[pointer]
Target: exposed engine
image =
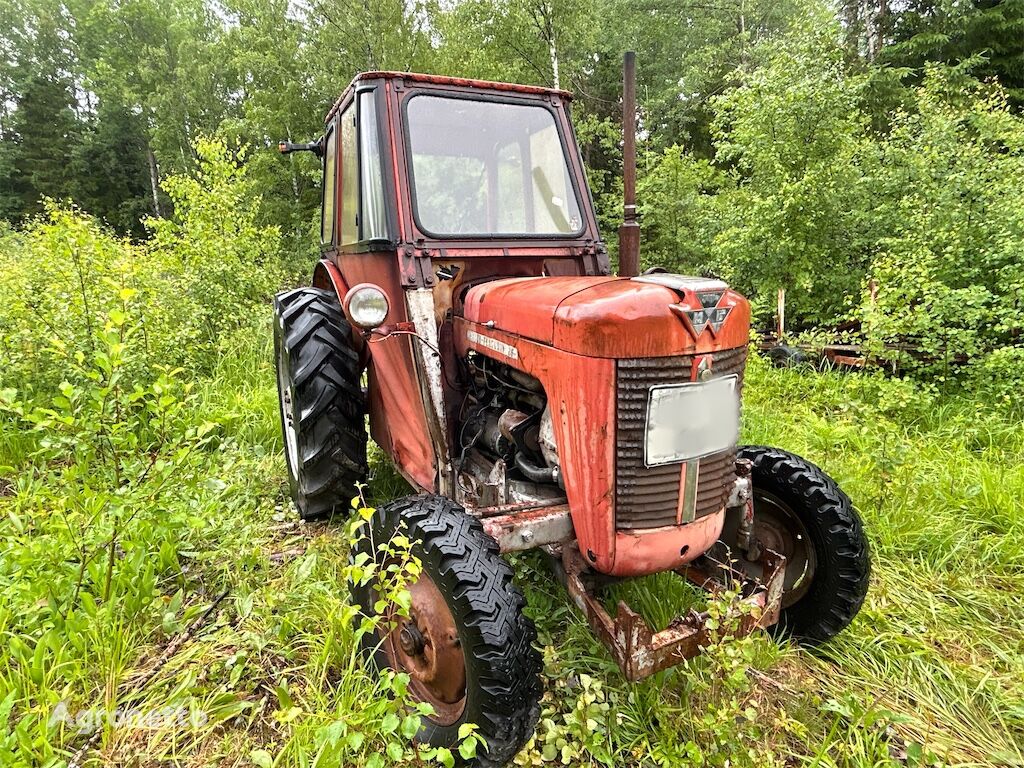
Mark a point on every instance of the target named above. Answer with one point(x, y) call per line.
point(506, 438)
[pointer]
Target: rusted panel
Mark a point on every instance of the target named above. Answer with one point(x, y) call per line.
point(639, 651)
point(634, 318)
point(581, 395)
point(421, 311)
point(525, 305)
point(652, 550)
point(464, 82)
point(604, 316)
point(841, 355)
point(452, 82)
point(508, 509)
point(527, 529)
point(397, 414)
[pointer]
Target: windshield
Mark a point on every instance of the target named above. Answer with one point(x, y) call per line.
point(489, 168)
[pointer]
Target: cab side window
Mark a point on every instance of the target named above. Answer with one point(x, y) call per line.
point(373, 220)
point(349, 179)
point(362, 214)
point(329, 181)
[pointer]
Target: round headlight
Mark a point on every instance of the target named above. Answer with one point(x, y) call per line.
point(366, 306)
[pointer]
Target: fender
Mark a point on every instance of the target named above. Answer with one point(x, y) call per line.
point(327, 276)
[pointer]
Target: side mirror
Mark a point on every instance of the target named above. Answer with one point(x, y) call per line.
point(316, 147)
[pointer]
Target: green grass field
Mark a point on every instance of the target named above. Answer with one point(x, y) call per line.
point(931, 672)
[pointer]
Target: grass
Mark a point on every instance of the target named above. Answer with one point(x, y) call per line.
point(932, 671)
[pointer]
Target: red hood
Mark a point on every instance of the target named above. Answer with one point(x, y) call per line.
point(610, 316)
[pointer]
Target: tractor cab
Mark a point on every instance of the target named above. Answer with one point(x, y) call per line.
point(423, 166)
point(459, 211)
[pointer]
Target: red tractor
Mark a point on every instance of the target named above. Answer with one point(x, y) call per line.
point(534, 399)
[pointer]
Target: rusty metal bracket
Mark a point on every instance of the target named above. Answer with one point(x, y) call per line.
point(639, 650)
point(516, 528)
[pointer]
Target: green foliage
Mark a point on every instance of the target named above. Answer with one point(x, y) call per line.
point(984, 34)
point(948, 267)
point(112, 493)
point(913, 232)
point(791, 133)
point(202, 279)
point(677, 193)
point(140, 467)
point(225, 264)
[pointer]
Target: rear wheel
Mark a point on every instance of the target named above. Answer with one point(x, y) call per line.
point(466, 644)
point(801, 513)
point(322, 404)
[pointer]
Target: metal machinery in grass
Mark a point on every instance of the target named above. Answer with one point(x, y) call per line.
point(534, 399)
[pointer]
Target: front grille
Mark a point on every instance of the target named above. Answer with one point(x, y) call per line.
point(648, 497)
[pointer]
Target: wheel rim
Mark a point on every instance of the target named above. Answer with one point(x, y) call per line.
point(426, 645)
point(777, 527)
point(284, 390)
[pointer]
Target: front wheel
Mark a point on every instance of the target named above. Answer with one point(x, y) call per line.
point(466, 644)
point(801, 513)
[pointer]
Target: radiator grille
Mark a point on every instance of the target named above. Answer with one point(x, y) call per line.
point(647, 497)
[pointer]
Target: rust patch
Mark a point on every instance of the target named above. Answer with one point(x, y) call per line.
point(640, 651)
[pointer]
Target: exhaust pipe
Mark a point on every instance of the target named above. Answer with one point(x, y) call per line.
point(629, 232)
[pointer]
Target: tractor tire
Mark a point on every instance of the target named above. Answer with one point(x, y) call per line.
point(801, 512)
point(466, 644)
point(784, 356)
point(322, 404)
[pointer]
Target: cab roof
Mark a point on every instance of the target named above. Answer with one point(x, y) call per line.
point(457, 82)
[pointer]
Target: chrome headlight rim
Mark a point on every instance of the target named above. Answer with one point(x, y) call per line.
point(366, 305)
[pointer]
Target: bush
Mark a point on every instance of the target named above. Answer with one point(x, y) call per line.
point(112, 486)
point(948, 269)
point(207, 273)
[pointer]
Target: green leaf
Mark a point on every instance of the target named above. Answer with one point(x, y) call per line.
point(468, 748)
point(390, 723)
point(395, 751)
point(445, 757)
point(410, 726)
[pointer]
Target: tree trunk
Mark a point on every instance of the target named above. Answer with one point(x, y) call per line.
point(549, 33)
point(154, 181)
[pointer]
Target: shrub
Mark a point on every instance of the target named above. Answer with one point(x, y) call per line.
point(208, 272)
point(948, 269)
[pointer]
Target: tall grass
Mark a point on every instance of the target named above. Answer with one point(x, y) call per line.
point(104, 563)
point(935, 658)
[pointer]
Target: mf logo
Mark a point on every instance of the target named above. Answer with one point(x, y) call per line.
point(699, 319)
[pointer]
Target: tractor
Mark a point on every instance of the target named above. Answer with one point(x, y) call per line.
point(464, 308)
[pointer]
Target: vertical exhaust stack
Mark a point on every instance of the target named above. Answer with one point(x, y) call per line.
point(629, 232)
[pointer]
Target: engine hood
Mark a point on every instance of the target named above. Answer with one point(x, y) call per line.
point(649, 316)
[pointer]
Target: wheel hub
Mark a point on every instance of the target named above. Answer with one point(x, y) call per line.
point(411, 640)
point(426, 645)
point(777, 527)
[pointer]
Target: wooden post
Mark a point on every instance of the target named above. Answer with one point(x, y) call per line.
point(780, 315)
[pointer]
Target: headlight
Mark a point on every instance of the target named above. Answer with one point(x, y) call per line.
point(366, 306)
point(690, 421)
